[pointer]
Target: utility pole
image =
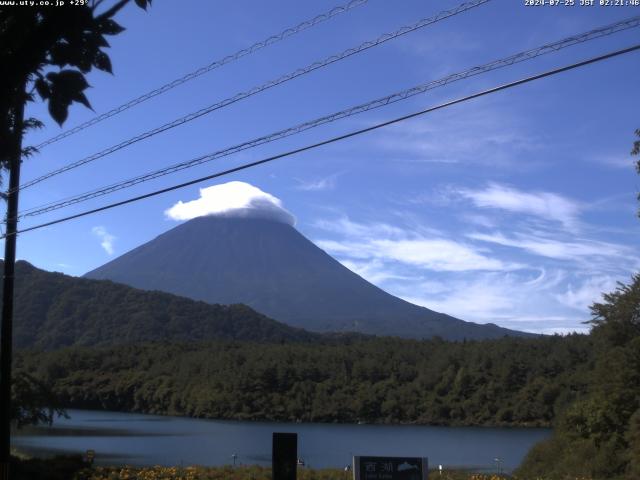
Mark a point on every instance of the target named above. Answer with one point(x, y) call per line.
point(6, 329)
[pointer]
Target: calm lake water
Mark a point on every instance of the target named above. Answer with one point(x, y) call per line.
point(133, 439)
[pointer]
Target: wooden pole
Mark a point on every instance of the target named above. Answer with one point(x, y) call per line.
point(6, 328)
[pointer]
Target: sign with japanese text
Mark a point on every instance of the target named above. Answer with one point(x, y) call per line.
point(390, 468)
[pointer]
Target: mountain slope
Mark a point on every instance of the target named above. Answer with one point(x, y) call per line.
point(271, 267)
point(53, 310)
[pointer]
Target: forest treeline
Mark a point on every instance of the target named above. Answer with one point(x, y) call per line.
point(383, 380)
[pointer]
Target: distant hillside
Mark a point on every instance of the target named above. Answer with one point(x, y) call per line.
point(271, 267)
point(54, 310)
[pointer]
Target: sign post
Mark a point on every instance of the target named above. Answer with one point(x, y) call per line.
point(284, 460)
point(390, 468)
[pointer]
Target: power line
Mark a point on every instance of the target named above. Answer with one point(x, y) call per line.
point(377, 103)
point(207, 68)
point(336, 139)
point(258, 89)
point(629, 23)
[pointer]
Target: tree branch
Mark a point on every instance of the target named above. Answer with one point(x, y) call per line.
point(113, 10)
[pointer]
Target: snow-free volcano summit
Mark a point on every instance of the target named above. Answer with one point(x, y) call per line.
point(239, 245)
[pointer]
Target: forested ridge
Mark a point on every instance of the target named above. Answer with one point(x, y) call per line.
point(53, 310)
point(499, 382)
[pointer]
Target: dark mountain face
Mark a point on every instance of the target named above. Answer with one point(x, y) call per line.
point(271, 267)
point(53, 310)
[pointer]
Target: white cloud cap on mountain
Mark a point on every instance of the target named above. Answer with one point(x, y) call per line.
point(232, 199)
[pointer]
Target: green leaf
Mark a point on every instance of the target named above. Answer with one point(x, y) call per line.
point(102, 62)
point(110, 27)
point(32, 123)
point(63, 54)
point(82, 98)
point(43, 88)
point(58, 110)
point(85, 60)
point(99, 40)
point(66, 87)
point(70, 80)
point(29, 151)
point(143, 3)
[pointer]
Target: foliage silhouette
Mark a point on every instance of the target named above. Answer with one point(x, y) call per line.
point(48, 50)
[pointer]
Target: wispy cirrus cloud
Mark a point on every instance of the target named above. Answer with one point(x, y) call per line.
point(345, 227)
point(514, 300)
point(481, 136)
point(448, 276)
point(620, 161)
point(553, 246)
point(522, 258)
point(318, 184)
point(544, 205)
point(388, 243)
point(433, 254)
point(580, 296)
point(374, 271)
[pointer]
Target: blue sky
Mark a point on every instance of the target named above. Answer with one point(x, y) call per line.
point(517, 208)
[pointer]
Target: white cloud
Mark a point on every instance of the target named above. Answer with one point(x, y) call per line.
point(545, 205)
point(236, 199)
point(374, 271)
point(346, 227)
point(487, 136)
point(576, 249)
point(469, 275)
point(591, 290)
point(624, 161)
point(479, 220)
point(106, 239)
point(563, 330)
point(388, 243)
point(317, 185)
point(480, 304)
point(513, 300)
point(436, 254)
point(480, 299)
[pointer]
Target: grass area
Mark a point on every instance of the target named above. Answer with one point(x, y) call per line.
point(264, 473)
point(74, 468)
point(242, 473)
point(58, 468)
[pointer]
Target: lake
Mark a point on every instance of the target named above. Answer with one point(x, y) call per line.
point(134, 439)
